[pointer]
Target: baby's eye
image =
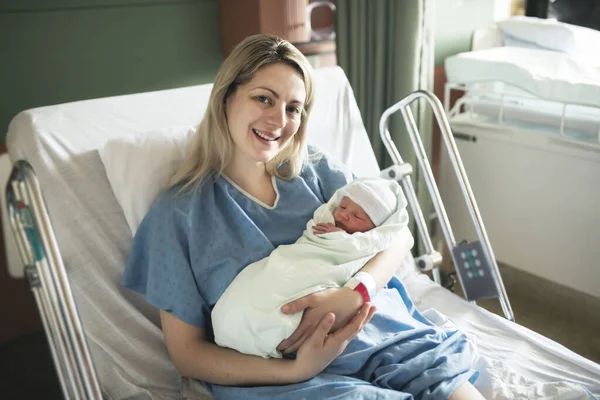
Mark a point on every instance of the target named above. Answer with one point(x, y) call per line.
point(357, 216)
point(342, 207)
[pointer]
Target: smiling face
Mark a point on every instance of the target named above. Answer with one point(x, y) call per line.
point(351, 217)
point(264, 114)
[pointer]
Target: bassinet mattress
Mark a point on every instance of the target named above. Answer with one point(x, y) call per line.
point(61, 143)
point(546, 74)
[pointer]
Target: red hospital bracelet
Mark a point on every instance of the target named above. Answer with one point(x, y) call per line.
point(364, 284)
point(362, 289)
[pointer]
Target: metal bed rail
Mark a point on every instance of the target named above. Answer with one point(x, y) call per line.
point(432, 258)
point(48, 281)
point(473, 95)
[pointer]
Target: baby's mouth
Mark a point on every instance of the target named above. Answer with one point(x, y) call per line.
point(264, 135)
point(340, 225)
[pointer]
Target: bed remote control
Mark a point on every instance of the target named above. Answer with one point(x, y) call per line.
point(476, 275)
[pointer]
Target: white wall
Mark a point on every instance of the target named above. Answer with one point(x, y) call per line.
point(455, 21)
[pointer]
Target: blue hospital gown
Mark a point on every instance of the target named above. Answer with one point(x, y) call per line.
point(190, 246)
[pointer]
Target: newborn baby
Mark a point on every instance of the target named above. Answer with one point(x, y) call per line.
point(361, 219)
point(362, 204)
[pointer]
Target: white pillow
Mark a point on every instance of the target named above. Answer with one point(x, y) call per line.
point(139, 166)
point(550, 34)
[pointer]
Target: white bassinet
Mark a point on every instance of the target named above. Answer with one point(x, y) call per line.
point(529, 120)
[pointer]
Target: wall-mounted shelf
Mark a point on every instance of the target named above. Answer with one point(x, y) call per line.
point(284, 18)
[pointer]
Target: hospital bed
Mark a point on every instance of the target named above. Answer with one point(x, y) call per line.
point(83, 169)
point(528, 130)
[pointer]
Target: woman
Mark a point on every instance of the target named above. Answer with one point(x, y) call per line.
point(245, 188)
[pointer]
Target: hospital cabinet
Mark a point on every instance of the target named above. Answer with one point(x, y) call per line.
point(539, 197)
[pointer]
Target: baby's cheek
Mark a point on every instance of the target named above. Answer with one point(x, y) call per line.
point(367, 226)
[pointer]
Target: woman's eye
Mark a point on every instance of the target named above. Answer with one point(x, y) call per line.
point(294, 110)
point(263, 99)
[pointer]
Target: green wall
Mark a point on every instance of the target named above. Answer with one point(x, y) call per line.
point(455, 22)
point(55, 51)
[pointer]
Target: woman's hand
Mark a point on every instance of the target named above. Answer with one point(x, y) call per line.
point(321, 348)
point(342, 302)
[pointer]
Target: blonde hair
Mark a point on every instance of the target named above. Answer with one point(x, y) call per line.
point(211, 149)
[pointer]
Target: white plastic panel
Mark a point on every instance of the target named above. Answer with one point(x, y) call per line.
point(539, 199)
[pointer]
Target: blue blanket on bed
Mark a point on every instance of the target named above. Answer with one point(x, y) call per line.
point(398, 355)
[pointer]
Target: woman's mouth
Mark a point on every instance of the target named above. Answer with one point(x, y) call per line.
point(265, 136)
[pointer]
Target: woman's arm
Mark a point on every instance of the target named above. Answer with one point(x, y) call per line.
point(196, 357)
point(344, 302)
point(383, 266)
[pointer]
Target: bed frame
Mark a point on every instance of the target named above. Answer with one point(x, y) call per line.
point(47, 277)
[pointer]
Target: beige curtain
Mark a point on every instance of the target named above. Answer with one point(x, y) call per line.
point(386, 49)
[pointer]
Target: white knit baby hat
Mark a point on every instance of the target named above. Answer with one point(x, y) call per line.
point(377, 196)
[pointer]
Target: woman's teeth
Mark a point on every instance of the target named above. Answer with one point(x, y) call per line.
point(257, 133)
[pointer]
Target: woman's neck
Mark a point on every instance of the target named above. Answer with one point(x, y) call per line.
point(253, 179)
point(247, 175)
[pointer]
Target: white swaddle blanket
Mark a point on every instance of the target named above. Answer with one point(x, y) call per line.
point(248, 318)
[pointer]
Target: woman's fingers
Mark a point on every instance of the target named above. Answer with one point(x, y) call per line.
point(306, 326)
point(296, 345)
point(294, 342)
point(299, 335)
point(322, 330)
point(355, 325)
point(371, 312)
point(292, 339)
point(321, 348)
point(297, 305)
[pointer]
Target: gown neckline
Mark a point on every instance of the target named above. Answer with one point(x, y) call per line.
point(254, 199)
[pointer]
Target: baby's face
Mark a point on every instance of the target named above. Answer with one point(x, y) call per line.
point(351, 217)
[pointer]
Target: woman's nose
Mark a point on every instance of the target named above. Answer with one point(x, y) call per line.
point(276, 116)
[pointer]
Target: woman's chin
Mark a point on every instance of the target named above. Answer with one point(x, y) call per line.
point(266, 156)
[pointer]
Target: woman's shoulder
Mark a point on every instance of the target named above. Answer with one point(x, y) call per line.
point(323, 163)
point(325, 172)
point(179, 201)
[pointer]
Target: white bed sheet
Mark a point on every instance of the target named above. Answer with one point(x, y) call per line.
point(516, 355)
point(546, 74)
point(61, 142)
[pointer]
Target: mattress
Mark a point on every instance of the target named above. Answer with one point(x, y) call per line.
point(61, 143)
point(545, 74)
